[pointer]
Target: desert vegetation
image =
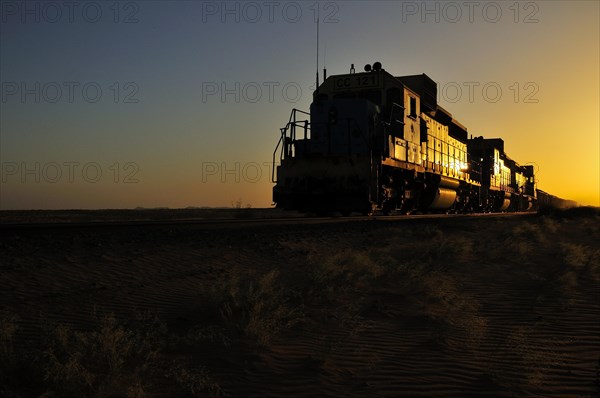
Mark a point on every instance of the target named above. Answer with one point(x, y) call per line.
point(500, 306)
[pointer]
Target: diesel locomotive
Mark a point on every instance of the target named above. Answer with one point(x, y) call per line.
point(375, 141)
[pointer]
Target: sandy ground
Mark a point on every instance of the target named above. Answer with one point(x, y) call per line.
point(479, 307)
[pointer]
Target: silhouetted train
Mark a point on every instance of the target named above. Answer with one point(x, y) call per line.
point(376, 141)
point(545, 200)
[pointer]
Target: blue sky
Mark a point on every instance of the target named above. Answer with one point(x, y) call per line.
point(162, 122)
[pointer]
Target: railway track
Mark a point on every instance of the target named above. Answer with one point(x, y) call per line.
point(233, 222)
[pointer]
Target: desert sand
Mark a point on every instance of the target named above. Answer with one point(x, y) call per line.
point(457, 307)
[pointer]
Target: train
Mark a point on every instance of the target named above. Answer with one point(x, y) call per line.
point(375, 142)
point(547, 201)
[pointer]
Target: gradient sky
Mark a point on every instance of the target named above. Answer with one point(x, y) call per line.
point(194, 93)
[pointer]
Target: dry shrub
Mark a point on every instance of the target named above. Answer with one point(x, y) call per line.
point(529, 231)
point(111, 360)
point(108, 361)
point(455, 311)
point(67, 368)
point(549, 224)
point(8, 329)
point(575, 256)
point(579, 262)
point(135, 390)
point(594, 263)
point(260, 306)
point(428, 250)
point(451, 250)
point(195, 382)
point(585, 219)
point(413, 260)
point(200, 335)
point(591, 226)
point(10, 364)
point(273, 308)
point(523, 248)
point(568, 280)
point(350, 269)
point(524, 241)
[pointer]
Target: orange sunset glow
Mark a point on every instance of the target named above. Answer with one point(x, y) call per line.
point(177, 104)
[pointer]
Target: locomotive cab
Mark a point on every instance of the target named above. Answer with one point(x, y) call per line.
point(340, 127)
point(329, 167)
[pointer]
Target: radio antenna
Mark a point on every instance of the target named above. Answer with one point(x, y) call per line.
point(317, 75)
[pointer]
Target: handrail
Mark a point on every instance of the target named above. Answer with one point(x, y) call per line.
point(286, 147)
point(274, 153)
point(285, 144)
